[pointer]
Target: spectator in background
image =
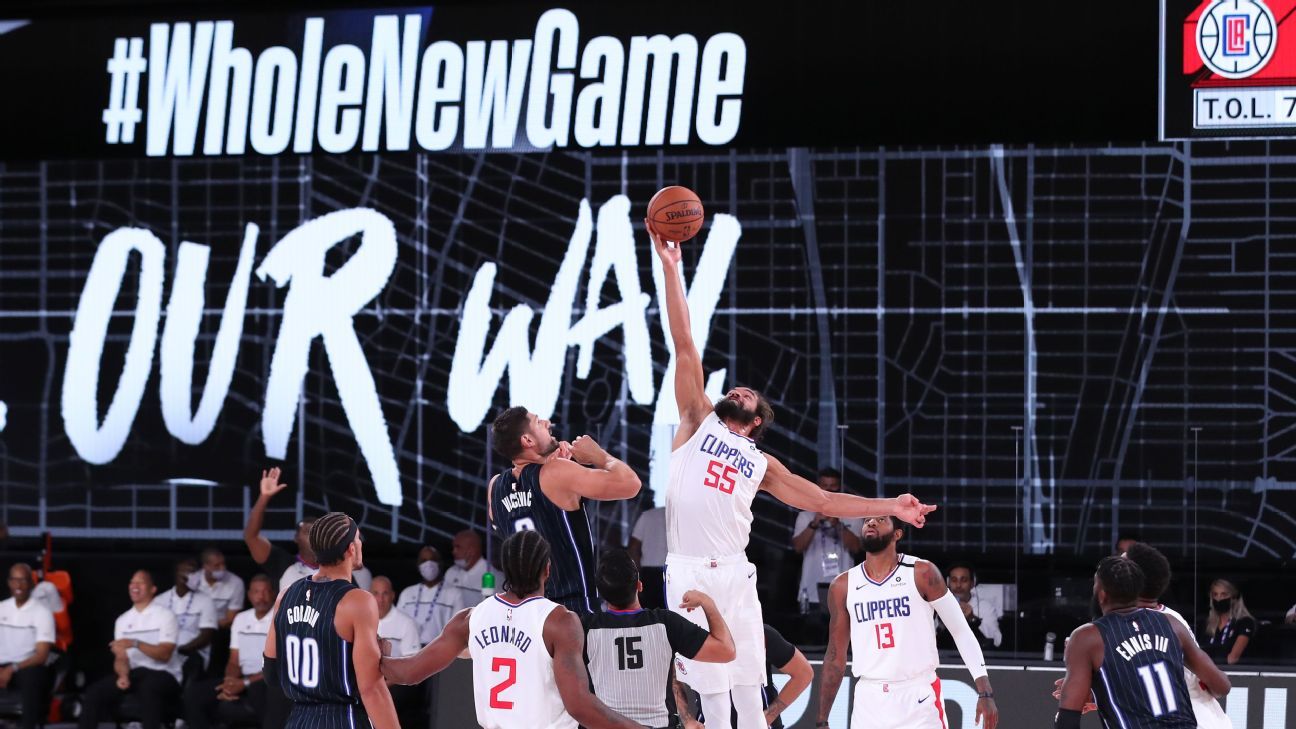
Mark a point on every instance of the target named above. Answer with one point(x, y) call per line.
point(402, 636)
point(224, 588)
point(982, 615)
point(1124, 542)
point(145, 661)
point(826, 543)
point(195, 618)
point(239, 697)
point(648, 550)
point(1230, 625)
point(1291, 616)
point(419, 600)
point(26, 637)
point(463, 581)
point(282, 567)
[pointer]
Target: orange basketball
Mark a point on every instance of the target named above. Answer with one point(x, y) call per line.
point(676, 213)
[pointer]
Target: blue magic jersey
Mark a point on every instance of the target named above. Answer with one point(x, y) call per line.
point(1140, 684)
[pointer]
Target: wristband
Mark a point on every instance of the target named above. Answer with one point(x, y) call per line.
point(821, 723)
point(136, 646)
point(986, 695)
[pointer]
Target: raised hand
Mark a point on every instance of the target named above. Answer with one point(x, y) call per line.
point(910, 509)
point(669, 252)
point(270, 483)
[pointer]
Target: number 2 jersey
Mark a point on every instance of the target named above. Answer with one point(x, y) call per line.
point(1140, 684)
point(315, 664)
point(714, 478)
point(513, 675)
point(892, 633)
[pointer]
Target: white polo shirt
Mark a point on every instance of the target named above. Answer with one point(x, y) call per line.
point(295, 571)
point(401, 630)
point(154, 625)
point(419, 602)
point(227, 594)
point(248, 637)
point(462, 590)
point(193, 612)
point(21, 628)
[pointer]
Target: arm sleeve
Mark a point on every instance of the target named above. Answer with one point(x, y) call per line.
point(778, 652)
point(684, 637)
point(117, 629)
point(969, 649)
point(168, 628)
point(235, 627)
point(45, 626)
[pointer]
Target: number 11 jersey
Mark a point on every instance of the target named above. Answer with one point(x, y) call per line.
point(714, 478)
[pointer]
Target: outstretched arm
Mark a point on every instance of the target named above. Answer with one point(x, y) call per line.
point(690, 383)
point(799, 493)
point(257, 544)
point(834, 662)
point(564, 636)
point(434, 657)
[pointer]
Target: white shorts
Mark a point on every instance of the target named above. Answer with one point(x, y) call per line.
point(914, 704)
point(731, 582)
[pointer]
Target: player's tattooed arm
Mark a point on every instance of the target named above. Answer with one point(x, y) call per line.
point(931, 585)
point(433, 658)
point(834, 663)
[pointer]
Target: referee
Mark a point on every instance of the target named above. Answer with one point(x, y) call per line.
point(630, 650)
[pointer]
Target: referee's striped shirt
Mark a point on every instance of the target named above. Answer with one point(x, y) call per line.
point(629, 653)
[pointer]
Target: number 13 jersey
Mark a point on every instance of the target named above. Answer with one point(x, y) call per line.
point(714, 478)
point(893, 633)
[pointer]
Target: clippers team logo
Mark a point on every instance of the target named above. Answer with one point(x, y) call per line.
point(1236, 38)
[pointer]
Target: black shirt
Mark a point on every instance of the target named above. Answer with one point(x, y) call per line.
point(1220, 645)
point(778, 653)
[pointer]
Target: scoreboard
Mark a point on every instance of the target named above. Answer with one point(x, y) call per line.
point(1228, 69)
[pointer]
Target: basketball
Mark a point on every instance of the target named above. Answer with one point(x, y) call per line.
point(676, 213)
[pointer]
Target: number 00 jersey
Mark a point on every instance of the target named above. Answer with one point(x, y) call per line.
point(714, 478)
point(513, 676)
point(314, 661)
point(893, 636)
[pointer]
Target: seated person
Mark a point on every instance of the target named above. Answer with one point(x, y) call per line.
point(145, 661)
point(25, 645)
point(402, 633)
point(1230, 626)
point(240, 697)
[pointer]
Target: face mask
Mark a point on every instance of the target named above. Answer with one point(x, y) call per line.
point(461, 564)
point(429, 570)
point(1222, 606)
point(193, 580)
point(218, 575)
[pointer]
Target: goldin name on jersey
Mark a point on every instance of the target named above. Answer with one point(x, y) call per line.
point(723, 451)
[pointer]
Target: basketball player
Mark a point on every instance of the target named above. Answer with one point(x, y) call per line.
point(546, 489)
point(1133, 659)
point(528, 671)
point(716, 470)
point(325, 634)
point(885, 608)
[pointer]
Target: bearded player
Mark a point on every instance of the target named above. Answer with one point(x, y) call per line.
point(715, 472)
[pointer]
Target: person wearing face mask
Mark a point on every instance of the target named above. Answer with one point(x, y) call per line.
point(1230, 626)
point(419, 600)
point(223, 587)
point(463, 581)
point(196, 617)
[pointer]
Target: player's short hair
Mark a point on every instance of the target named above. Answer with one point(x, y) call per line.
point(618, 578)
point(261, 577)
point(1155, 566)
point(524, 557)
point(508, 429)
point(830, 472)
point(330, 536)
point(1121, 579)
point(765, 412)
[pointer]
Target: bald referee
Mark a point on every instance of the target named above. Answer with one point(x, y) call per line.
point(630, 650)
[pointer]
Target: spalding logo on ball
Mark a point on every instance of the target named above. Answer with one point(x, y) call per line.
point(676, 213)
point(1236, 38)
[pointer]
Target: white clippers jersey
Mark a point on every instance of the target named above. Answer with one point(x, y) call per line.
point(714, 478)
point(893, 637)
point(1210, 715)
point(513, 678)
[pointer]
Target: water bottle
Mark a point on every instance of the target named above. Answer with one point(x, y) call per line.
point(805, 601)
point(1049, 640)
point(488, 584)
